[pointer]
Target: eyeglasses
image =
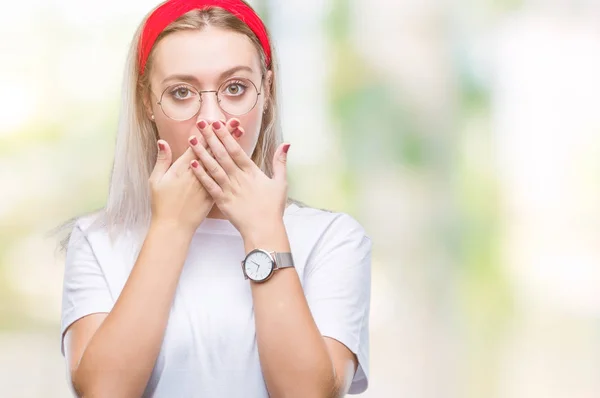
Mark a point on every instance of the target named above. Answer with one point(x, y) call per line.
point(236, 97)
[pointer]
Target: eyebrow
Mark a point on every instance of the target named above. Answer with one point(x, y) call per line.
point(193, 79)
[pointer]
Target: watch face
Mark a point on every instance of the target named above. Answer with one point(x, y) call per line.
point(258, 265)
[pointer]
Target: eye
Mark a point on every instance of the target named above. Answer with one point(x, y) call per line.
point(181, 92)
point(235, 88)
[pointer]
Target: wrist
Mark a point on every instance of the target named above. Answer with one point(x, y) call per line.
point(270, 236)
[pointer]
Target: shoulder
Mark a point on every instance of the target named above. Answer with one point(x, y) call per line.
point(323, 222)
point(319, 233)
point(112, 251)
point(92, 231)
point(76, 230)
point(91, 222)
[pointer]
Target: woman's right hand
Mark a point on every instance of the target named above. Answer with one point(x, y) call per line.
point(178, 198)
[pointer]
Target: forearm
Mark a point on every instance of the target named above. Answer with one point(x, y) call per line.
point(293, 355)
point(120, 356)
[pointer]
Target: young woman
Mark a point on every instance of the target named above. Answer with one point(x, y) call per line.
point(200, 278)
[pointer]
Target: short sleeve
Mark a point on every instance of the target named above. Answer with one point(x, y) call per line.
point(337, 285)
point(85, 289)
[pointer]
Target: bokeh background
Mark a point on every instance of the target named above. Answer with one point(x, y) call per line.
point(464, 136)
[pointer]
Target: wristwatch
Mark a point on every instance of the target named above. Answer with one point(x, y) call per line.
point(259, 265)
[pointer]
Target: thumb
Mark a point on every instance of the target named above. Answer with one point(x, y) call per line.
point(280, 163)
point(163, 160)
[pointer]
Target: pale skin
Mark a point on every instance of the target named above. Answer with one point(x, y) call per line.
point(112, 355)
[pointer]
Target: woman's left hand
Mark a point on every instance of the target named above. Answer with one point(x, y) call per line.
point(249, 199)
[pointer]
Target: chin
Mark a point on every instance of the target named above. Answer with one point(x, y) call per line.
point(178, 152)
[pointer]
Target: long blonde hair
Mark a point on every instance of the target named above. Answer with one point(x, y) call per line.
point(128, 204)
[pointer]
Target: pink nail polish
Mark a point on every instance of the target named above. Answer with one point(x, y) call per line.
point(194, 141)
point(216, 125)
point(235, 123)
point(237, 133)
point(161, 146)
point(286, 148)
point(195, 164)
point(202, 124)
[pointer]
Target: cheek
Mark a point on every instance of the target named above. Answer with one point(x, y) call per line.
point(176, 134)
point(251, 124)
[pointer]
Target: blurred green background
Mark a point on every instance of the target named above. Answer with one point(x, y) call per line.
point(463, 135)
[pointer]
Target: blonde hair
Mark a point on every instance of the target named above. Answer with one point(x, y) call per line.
point(128, 204)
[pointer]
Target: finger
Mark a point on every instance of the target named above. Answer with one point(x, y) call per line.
point(163, 160)
point(236, 152)
point(232, 125)
point(196, 142)
point(210, 164)
point(207, 182)
point(280, 163)
point(217, 148)
point(201, 125)
point(183, 162)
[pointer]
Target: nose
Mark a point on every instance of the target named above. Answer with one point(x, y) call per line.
point(210, 109)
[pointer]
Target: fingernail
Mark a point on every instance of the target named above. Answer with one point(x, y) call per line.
point(195, 164)
point(161, 146)
point(216, 125)
point(202, 124)
point(194, 141)
point(286, 148)
point(237, 133)
point(235, 123)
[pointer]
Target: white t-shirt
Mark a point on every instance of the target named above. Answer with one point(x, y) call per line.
point(209, 348)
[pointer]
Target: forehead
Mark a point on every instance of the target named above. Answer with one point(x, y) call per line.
point(204, 54)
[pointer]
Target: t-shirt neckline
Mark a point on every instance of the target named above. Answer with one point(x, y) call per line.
point(225, 227)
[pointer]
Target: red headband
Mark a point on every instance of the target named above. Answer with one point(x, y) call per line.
point(171, 10)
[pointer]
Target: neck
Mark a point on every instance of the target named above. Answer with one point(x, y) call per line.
point(215, 212)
